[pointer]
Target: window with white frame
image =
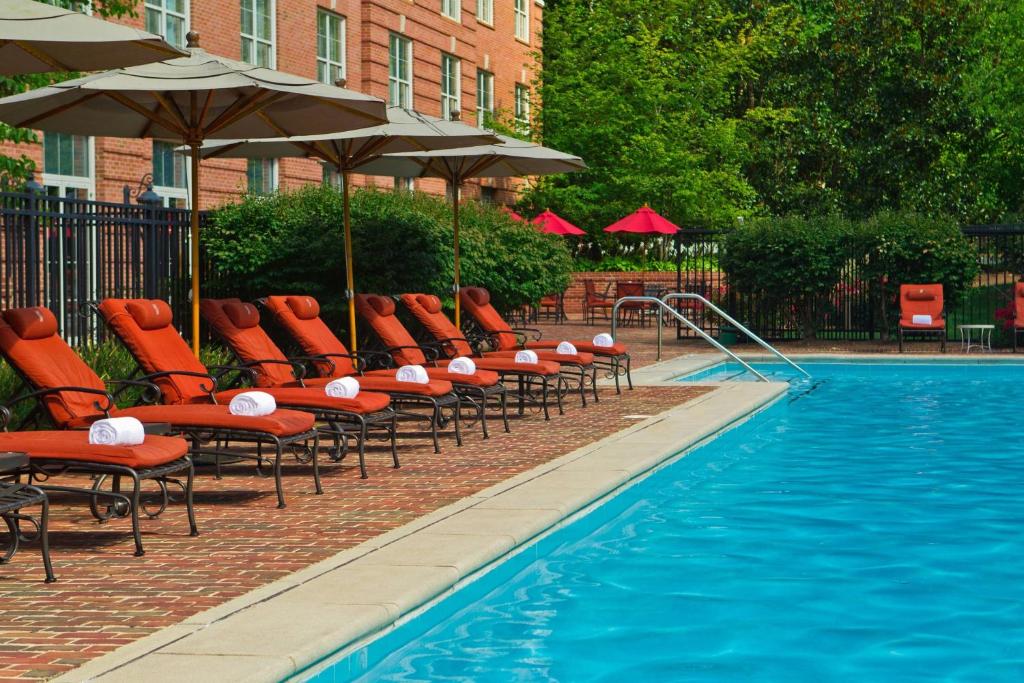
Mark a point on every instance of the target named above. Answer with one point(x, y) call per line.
point(451, 95)
point(261, 176)
point(400, 72)
point(170, 174)
point(522, 108)
point(452, 9)
point(168, 18)
point(522, 12)
point(67, 165)
point(485, 11)
point(484, 96)
point(404, 184)
point(331, 177)
point(258, 32)
point(330, 46)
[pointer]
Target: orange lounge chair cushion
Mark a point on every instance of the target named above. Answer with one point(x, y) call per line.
point(617, 349)
point(921, 300)
point(427, 310)
point(384, 380)
point(477, 302)
point(72, 445)
point(566, 359)
point(299, 316)
point(480, 378)
point(214, 417)
point(239, 325)
point(46, 360)
point(936, 324)
point(157, 348)
point(1018, 304)
point(364, 403)
point(379, 313)
point(508, 364)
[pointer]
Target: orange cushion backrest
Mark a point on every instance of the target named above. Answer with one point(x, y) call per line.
point(250, 343)
point(150, 314)
point(427, 310)
point(312, 334)
point(157, 350)
point(477, 301)
point(304, 307)
point(921, 300)
point(1018, 300)
point(47, 361)
point(379, 312)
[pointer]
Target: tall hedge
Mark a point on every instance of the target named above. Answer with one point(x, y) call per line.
point(787, 261)
point(292, 242)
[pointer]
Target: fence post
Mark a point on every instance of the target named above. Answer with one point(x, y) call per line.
point(151, 203)
point(33, 262)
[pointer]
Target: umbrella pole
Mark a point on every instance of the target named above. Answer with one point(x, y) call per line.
point(194, 239)
point(455, 227)
point(350, 286)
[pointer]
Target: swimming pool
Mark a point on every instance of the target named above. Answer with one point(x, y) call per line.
point(867, 528)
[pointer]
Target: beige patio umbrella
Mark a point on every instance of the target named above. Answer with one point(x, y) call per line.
point(405, 131)
point(36, 38)
point(511, 158)
point(189, 100)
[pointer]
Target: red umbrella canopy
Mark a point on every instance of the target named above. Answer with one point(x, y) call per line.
point(551, 222)
point(513, 214)
point(644, 220)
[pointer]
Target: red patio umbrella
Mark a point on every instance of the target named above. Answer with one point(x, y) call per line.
point(549, 221)
point(644, 220)
point(512, 213)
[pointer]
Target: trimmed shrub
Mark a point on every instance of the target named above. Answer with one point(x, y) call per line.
point(907, 248)
point(292, 242)
point(795, 261)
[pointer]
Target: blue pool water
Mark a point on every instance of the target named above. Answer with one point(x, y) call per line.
point(869, 527)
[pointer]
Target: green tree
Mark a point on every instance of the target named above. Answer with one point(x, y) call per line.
point(643, 91)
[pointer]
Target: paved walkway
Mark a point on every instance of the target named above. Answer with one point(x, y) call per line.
point(106, 598)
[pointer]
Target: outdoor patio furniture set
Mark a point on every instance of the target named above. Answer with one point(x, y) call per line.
point(183, 403)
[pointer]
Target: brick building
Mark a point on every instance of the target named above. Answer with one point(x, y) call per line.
point(435, 56)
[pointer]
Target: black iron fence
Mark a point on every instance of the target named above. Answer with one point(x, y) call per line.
point(854, 309)
point(61, 252)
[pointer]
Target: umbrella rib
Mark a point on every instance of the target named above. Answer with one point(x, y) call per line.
point(42, 56)
point(370, 149)
point(254, 104)
point(206, 108)
point(139, 109)
point(227, 116)
point(223, 149)
point(171, 107)
point(482, 165)
point(27, 123)
point(144, 133)
point(273, 124)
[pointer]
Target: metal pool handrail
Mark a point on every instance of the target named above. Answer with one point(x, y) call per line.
point(672, 296)
point(678, 316)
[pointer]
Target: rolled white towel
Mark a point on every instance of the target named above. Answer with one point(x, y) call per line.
point(252, 404)
point(416, 374)
point(604, 340)
point(117, 431)
point(921, 320)
point(526, 356)
point(462, 366)
point(565, 349)
point(344, 387)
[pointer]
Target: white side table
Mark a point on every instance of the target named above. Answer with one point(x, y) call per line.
point(984, 341)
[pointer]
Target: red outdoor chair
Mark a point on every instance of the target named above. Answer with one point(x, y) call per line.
point(922, 313)
point(631, 309)
point(595, 302)
point(1018, 312)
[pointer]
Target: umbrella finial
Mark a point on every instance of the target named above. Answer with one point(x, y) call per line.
point(340, 82)
point(192, 39)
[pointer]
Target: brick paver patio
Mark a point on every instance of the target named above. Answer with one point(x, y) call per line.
point(106, 598)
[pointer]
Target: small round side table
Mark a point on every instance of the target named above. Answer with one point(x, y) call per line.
point(984, 341)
